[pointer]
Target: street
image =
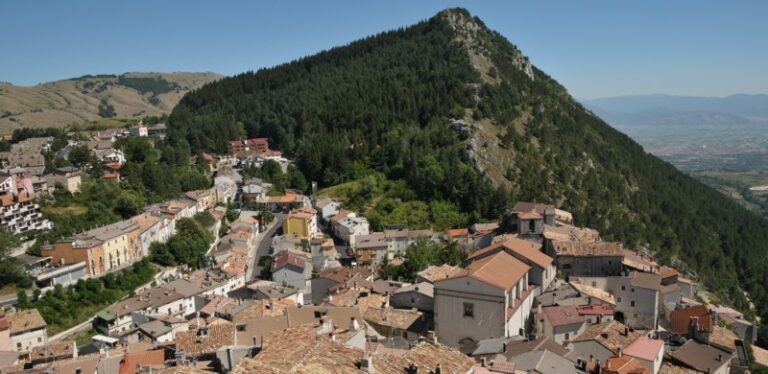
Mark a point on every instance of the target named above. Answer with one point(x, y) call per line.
point(263, 242)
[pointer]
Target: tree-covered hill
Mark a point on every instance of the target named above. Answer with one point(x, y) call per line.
point(392, 103)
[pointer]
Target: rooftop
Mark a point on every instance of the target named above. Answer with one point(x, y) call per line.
point(588, 249)
point(152, 298)
point(613, 335)
point(25, 320)
point(680, 319)
point(499, 270)
point(515, 246)
point(699, 356)
point(645, 348)
point(562, 315)
point(434, 273)
point(205, 340)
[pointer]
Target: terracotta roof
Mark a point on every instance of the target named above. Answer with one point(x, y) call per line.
point(585, 249)
point(612, 335)
point(499, 270)
point(131, 362)
point(402, 319)
point(670, 368)
point(205, 340)
point(526, 249)
point(54, 350)
point(562, 315)
point(434, 273)
point(341, 274)
point(624, 365)
point(761, 355)
point(25, 320)
point(341, 215)
point(288, 259)
point(303, 213)
point(681, 318)
point(457, 233)
point(596, 310)
point(427, 357)
point(594, 292)
point(645, 348)
point(529, 215)
point(645, 280)
point(723, 338)
point(301, 350)
point(667, 272)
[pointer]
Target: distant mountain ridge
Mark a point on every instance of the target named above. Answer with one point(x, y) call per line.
point(92, 97)
point(660, 109)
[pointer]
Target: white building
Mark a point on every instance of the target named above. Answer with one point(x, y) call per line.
point(560, 323)
point(18, 212)
point(650, 352)
point(636, 296)
point(292, 270)
point(153, 228)
point(28, 330)
point(126, 315)
point(530, 253)
point(191, 293)
point(327, 208)
point(350, 227)
point(492, 298)
point(400, 238)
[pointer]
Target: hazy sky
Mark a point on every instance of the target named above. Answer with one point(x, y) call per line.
point(595, 48)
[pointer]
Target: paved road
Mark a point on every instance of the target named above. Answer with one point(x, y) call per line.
point(263, 242)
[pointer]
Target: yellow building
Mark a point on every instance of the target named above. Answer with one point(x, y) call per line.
point(104, 249)
point(301, 222)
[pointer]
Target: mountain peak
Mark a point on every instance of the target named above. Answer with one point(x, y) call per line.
point(472, 33)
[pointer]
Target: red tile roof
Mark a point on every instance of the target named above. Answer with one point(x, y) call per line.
point(562, 315)
point(681, 318)
point(288, 259)
point(132, 361)
point(457, 233)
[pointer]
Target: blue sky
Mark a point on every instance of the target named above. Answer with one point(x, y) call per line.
point(595, 48)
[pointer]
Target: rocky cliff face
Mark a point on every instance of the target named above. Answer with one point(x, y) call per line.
point(472, 34)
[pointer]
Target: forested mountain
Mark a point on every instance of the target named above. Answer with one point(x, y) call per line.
point(458, 113)
point(93, 97)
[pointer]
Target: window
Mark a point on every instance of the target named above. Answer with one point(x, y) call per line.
point(632, 303)
point(39, 339)
point(469, 310)
point(623, 288)
point(567, 336)
point(618, 299)
point(632, 289)
point(413, 300)
point(594, 284)
point(18, 345)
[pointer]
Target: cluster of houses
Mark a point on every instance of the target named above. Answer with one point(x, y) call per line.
point(535, 294)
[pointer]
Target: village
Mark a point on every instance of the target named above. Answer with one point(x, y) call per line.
point(296, 286)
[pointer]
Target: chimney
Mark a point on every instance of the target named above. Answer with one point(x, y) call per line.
point(485, 362)
point(353, 325)
point(366, 364)
point(626, 331)
point(438, 369)
point(538, 310)
point(619, 353)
